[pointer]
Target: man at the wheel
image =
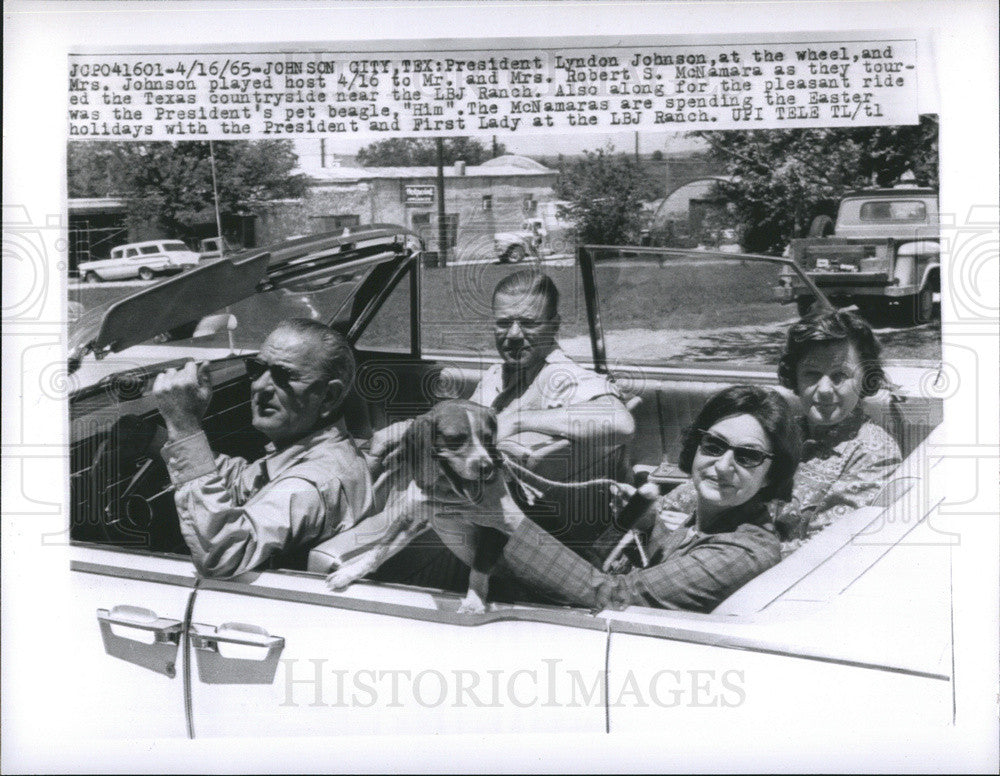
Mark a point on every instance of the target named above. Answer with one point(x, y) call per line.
point(237, 515)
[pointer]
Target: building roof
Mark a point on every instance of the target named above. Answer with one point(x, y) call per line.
point(505, 166)
point(94, 204)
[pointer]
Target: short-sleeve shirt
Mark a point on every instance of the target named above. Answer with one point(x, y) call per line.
point(561, 382)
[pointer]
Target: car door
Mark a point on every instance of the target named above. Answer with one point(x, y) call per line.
point(657, 683)
point(128, 267)
point(280, 655)
point(154, 257)
point(126, 631)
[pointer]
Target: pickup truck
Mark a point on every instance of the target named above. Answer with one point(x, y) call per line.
point(882, 254)
point(210, 248)
point(541, 234)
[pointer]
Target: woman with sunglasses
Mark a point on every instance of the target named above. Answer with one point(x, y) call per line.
point(831, 361)
point(741, 452)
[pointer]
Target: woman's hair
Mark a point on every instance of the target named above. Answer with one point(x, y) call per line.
point(823, 326)
point(769, 409)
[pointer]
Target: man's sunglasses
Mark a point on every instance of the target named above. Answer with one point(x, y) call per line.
point(525, 324)
point(715, 447)
point(282, 375)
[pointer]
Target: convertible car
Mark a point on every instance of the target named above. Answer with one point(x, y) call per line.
point(854, 625)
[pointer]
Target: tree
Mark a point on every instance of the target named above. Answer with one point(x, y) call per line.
point(606, 191)
point(783, 178)
point(91, 170)
point(422, 152)
point(170, 184)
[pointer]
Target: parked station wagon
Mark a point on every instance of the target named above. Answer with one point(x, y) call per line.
point(144, 260)
point(853, 625)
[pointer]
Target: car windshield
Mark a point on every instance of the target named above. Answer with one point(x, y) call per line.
point(255, 317)
point(657, 307)
point(662, 307)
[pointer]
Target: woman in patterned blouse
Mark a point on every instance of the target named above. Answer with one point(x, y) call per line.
point(831, 361)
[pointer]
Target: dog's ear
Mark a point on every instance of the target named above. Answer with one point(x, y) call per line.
point(492, 448)
point(419, 461)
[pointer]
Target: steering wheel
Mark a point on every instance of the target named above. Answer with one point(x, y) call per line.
point(128, 480)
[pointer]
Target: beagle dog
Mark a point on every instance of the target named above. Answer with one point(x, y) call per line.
point(446, 467)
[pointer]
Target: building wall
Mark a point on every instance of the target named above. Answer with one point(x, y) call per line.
point(382, 200)
point(278, 220)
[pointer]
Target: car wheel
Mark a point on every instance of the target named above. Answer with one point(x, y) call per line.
point(923, 306)
point(516, 254)
point(916, 309)
point(91, 277)
point(804, 304)
point(145, 273)
point(821, 226)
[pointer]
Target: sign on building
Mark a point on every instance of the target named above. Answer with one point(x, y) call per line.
point(418, 194)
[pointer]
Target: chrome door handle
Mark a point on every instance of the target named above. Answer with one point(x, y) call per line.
point(137, 635)
point(235, 653)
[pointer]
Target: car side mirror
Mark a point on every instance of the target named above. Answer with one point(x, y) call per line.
point(213, 324)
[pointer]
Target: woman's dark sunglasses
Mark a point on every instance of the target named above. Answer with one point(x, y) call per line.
point(715, 447)
point(282, 375)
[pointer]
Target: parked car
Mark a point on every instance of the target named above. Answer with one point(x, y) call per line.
point(144, 260)
point(211, 248)
point(882, 254)
point(855, 625)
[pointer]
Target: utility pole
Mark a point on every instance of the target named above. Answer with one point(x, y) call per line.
point(637, 146)
point(442, 225)
point(215, 194)
point(218, 226)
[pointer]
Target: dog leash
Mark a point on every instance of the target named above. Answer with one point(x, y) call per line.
point(508, 461)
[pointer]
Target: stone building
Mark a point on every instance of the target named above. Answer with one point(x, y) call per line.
point(479, 200)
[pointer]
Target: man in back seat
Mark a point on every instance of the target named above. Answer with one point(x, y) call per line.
point(538, 387)
point(540, 393)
